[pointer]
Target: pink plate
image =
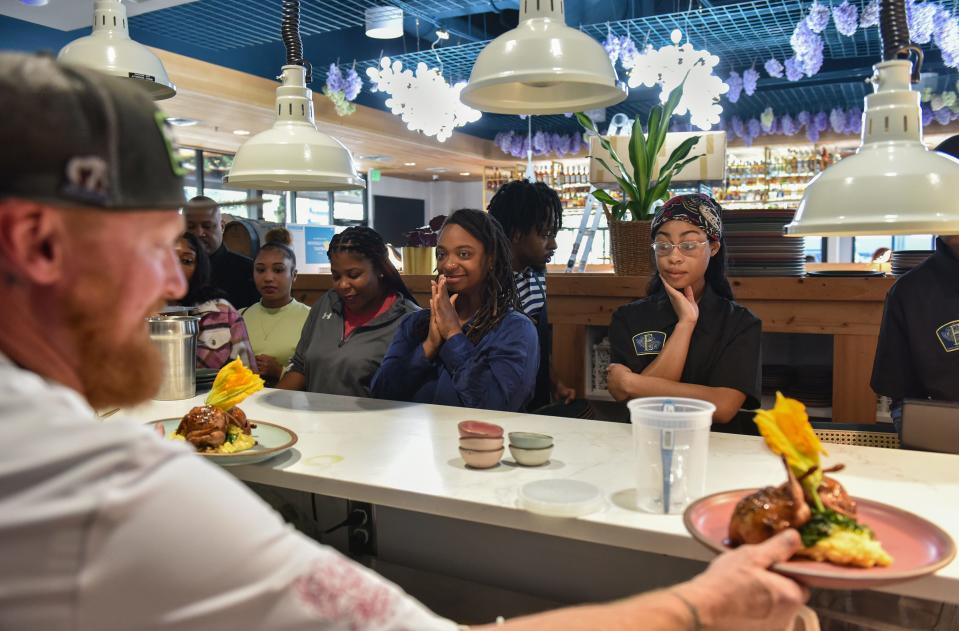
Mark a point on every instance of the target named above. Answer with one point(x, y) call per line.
point(479, 429)
point(917, 546)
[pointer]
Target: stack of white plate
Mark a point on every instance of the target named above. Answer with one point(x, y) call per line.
point(905, 260)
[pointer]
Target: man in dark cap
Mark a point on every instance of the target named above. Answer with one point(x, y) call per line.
point(232, 272)
point(107, 526)
point(918, 352)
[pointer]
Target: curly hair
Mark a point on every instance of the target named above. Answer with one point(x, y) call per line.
point(499, 288)
point(200, 290)
point(367, 243)
point(520, 206)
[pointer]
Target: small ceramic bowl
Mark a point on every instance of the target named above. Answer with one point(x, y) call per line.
point(481, 459)
point(531, 457)
point(482, 444)
point(479, 429)
point(530, 440)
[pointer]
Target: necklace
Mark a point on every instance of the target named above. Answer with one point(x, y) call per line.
point(273, 318)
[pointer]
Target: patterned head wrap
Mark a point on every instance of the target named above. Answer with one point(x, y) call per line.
point(697, 209)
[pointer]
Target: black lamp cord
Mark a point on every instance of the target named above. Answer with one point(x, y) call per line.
point(290, 30)
point(894, 35)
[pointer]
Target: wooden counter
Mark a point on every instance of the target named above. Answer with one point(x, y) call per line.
point(849, 309)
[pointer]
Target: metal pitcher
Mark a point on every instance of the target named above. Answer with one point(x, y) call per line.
point(175, 336)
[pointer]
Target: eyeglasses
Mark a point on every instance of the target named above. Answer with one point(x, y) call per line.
point(664, 248)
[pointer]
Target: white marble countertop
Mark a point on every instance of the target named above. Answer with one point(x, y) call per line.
point(405, 456)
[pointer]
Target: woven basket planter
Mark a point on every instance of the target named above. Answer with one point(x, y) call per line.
point(629, 242)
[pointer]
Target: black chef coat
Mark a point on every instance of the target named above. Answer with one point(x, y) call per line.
point(233, 273)
point(918, 352)
point(724, 351)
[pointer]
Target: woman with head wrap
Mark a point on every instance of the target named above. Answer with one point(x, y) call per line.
point(687, 337)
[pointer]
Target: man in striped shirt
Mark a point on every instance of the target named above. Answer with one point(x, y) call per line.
point(531, 214)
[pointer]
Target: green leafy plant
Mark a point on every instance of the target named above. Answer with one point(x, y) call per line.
point(641, 186)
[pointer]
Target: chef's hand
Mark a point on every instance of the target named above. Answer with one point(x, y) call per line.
point(270, 369)
point(617, 376)
point(684, 303)
point(431, 346)
point(738, 591)
point(444, 306)
point(563, 393)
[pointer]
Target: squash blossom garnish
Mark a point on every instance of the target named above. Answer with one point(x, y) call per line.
point(234, 383)
point(788, 433)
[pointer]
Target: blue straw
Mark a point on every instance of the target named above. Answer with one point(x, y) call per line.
point(666, 453)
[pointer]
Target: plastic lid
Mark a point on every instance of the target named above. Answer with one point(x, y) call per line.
point(671, 413)
point(560, 498)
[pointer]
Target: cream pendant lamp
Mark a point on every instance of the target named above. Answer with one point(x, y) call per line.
point(293, 155)
point(542, 67)
point(893, 184)
point(109, 49)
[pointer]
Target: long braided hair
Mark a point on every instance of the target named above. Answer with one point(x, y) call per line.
point(499, 291)
point(367, 243)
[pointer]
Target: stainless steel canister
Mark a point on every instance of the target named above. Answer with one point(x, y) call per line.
point(175, 336)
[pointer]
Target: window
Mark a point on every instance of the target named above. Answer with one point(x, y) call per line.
point(349, 208)
point(865, 247)
point(313, 207)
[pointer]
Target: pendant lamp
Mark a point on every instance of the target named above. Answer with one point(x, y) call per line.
point(293, 155)
point(109, 49)
point(893, 184)
point(542, 67)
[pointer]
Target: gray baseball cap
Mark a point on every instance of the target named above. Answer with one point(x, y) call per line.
point(76, 137)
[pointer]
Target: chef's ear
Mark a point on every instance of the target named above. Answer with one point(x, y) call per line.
point(33, 238)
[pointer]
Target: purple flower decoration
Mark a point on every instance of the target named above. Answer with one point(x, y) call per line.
point(943, 116)
point(613, 46)
point(803, 118)
point(846, 17)
point(503, 140)
point(738, 127)
point(821, 121)
point(920, 17)
point(854, 121)
point(753, 128)
point(794, 70)
point(946, 36)
point(735, 83)
point(812, 134)
point(516, 146)
point(818, 17)
point(576, 143)
point(773, 68)
point(870, 15)
point(807, 47)
point(750, 80)
point(788, 125)
point(837, 120)
point(352, 85)
point(628, 52)
point(334, 79)
point(539, 143)
point(926, 114)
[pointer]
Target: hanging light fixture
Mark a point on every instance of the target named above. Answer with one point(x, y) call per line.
point(384, 22)
point(542, 67)
point(893, 184)
point(109, 49)
point(293, 155)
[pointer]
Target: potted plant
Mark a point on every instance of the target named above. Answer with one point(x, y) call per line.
point(642, 185)
point(419, 256)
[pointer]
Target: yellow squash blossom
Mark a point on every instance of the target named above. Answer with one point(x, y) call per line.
point(234, 383)
point(788, 433)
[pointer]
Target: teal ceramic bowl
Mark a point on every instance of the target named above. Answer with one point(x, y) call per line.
point(530, 440)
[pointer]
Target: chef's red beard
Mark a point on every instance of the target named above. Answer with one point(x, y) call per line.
point(112, 372)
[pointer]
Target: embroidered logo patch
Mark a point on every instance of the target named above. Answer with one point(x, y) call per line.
point(327, 316)
point(649, 342)
point(948, 335)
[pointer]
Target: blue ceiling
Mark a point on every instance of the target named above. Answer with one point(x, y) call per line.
point(245, 35)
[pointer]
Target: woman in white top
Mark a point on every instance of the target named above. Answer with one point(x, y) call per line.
point(275, 322)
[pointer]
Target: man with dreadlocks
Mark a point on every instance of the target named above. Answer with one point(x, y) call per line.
point(472, 348)
point(351, 326)
point(531, 214)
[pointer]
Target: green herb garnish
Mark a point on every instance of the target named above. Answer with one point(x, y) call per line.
point(824, 522)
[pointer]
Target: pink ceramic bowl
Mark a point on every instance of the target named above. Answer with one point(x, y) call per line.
point(482, 444)
point(481, 459)
point(479, 429)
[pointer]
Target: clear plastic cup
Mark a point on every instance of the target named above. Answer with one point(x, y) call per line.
point(671, 436)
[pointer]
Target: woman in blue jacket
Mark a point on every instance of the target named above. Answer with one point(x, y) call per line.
point(472, 348)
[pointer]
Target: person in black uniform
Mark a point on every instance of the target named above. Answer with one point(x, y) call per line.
point(687, 338)
point(232, 272)
point(530, 215)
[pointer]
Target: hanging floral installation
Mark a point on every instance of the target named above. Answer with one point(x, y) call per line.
point(342, 90)
point(669, 65)
point(543, 144)
point(423, 100)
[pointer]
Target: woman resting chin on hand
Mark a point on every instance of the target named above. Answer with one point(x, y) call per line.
point(687, 337)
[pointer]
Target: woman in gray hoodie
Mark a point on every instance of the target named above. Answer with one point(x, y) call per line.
point(349, 329)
